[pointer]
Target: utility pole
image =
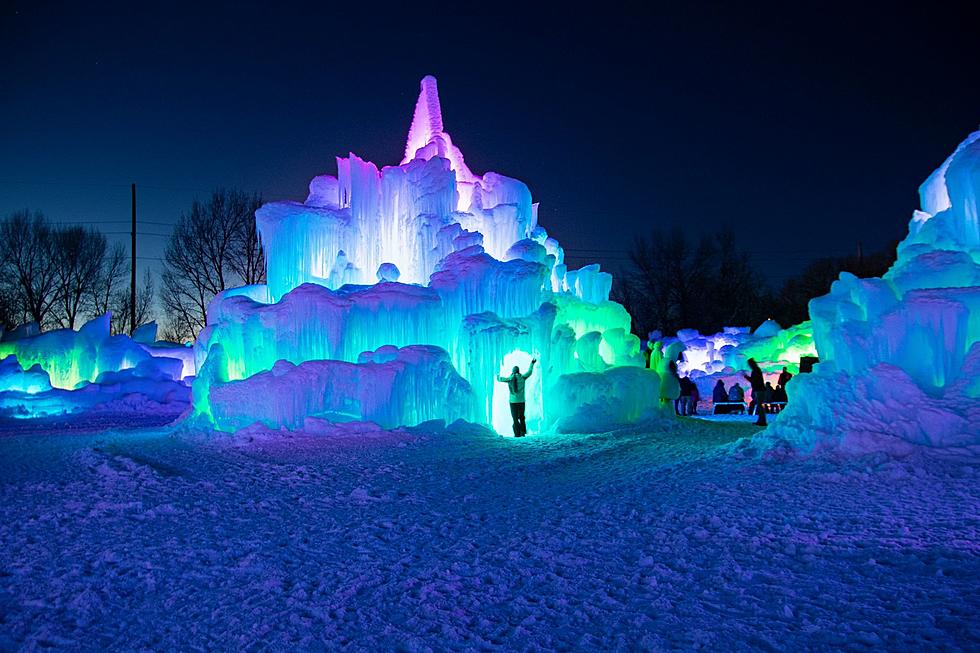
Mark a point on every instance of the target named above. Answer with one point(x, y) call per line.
point(132, 276)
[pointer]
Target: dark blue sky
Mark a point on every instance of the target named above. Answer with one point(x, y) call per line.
point(808, 127)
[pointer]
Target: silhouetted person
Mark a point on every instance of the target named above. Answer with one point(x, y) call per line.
point(672, 370)
point(758, 383)
point(515, 383)
point(779, 394)
point(719, 395)
point(784, 377)
point(692, 405)
point(683, 406)
point(735, 393)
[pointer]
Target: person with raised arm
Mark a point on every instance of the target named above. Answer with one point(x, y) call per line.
point(515, 384)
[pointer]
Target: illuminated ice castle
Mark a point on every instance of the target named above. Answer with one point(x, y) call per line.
point(398, 295)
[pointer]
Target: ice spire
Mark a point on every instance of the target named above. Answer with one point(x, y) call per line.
point(426, 137)
point(427, 121)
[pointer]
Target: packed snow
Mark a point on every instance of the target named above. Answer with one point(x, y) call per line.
point(673, 535)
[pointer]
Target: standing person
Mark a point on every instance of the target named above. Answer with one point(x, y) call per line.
point(515, 384)
point(758, 383)
point(784, 377)
point(779, 394)
point(692, 407)
point(672, 386)
point(683, 405)
point(719, 395)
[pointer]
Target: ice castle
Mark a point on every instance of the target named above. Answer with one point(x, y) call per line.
point(399, 294)
point(901, 354)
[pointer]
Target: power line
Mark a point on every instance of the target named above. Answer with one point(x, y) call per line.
point(102, 222)
point(60, 222)
point(76, 184)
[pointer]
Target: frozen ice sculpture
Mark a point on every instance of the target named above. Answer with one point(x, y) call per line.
point(727, 352)
point(400, 294)
point(64, 371)
point(901, 354)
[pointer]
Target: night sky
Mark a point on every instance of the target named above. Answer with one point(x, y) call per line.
point(808, 131)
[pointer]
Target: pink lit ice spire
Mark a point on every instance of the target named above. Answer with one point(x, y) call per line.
point(426, 138)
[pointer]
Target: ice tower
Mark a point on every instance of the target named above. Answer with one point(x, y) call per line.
point(400, 294)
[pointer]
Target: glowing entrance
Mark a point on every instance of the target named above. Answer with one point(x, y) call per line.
point(502, 422)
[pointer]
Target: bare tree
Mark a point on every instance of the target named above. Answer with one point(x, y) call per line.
point(10, 309)
point(103, 291)
point(78, 255)
point(246, 258)
point(144, 305)
point(816, 278)
point(736, 294)
point(26, 244)
point(212, 247)
point(675, 285)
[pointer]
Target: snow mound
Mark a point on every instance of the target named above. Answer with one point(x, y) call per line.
point(881, 410)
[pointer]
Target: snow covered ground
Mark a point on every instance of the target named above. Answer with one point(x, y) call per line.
point(668, 536)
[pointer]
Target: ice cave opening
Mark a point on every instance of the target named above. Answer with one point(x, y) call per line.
point(502, 423)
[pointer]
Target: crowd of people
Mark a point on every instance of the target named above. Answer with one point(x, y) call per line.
point(765, 398)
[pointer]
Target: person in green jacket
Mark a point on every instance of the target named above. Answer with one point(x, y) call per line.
point(515, 383)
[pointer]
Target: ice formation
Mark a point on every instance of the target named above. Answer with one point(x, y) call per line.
point(901, 354)
point(726, 352)
point(65, 370)
point(400, 294)
point(705, 359)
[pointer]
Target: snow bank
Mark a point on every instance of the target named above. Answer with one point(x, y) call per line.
point(880, 410)
point(901, 354)
point(139, 389)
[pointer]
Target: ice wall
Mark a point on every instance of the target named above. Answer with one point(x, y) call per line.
point(66, 371)
point(908, 342)
point(390, 386)
point(73, 358)
point(424, 253)
point(618, 397)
